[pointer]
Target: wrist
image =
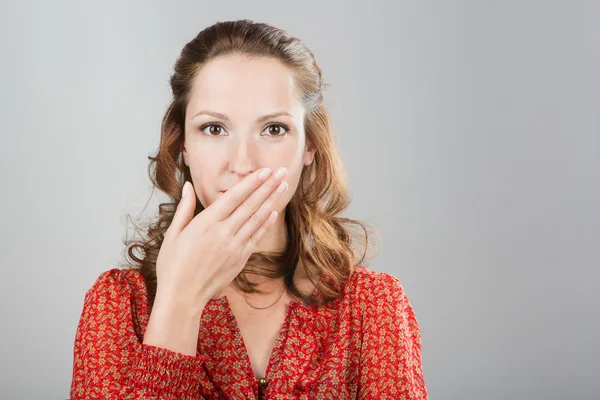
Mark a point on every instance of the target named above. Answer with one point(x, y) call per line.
point(178, 306)
point(174, 326)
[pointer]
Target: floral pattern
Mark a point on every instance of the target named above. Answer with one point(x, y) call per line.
point(364, 345)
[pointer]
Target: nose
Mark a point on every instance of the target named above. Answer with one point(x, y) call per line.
point(242, 158)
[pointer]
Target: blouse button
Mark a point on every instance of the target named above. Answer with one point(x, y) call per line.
point(262, 381)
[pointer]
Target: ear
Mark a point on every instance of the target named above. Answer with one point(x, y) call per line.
point(309, 154)
point(185, 156)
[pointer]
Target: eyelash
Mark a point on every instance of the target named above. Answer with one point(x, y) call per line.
point(203, 127)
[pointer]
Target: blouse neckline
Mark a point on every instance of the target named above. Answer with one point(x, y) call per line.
point(298, 314)
point(224, 301)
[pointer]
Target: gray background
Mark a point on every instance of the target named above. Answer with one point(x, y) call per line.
point(470, 131)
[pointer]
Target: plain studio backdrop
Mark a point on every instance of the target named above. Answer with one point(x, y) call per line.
point(469, 130)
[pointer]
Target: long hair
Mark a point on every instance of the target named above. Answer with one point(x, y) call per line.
point(317, 235)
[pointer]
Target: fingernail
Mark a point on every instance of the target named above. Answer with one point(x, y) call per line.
point(280, 173)
point(264, 173)
point(281, 187)
point(185, 189)
point(272, 216)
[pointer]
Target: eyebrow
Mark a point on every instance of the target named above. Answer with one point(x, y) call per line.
point(258, 120)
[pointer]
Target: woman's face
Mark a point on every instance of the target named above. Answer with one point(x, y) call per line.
point(243, 115)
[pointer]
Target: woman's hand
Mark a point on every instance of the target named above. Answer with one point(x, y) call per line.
point(200, 256)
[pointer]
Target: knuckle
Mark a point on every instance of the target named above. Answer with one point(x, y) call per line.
point(235, 251)
point(234, 197)
point(252, 207)
point(208, 214)
point(207, 226)
point(224, 232)
point(254, 220)
point(247, 250)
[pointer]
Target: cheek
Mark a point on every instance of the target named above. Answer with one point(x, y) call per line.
point(204, 178)
point(204, 157)
point(288, 156)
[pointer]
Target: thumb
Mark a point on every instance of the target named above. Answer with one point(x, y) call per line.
point(184, 212)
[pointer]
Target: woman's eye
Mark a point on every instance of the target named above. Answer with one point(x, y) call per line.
point(212, 130)
point(277, 131)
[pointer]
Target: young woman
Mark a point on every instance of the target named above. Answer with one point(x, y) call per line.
point(249, 285)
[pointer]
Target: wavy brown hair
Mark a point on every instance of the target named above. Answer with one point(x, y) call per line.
point(317, 235)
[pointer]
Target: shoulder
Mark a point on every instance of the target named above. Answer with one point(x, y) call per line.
point(117, 280)
point(368, 287)
point(381, 305)
point(117, 287)
point(378, 299)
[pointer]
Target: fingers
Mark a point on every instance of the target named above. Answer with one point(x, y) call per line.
point(258, 218)
point(230, 200)
point(252, 244)
point(250, 207)
point(184, 212)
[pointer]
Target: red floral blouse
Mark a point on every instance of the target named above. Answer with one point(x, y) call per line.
point(365, 344)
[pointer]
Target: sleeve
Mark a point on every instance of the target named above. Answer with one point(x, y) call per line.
point(110, 361)
point(390, 359)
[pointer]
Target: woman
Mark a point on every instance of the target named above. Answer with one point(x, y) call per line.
point(249, 284)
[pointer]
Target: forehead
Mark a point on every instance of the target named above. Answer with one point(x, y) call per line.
point(243, 86)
